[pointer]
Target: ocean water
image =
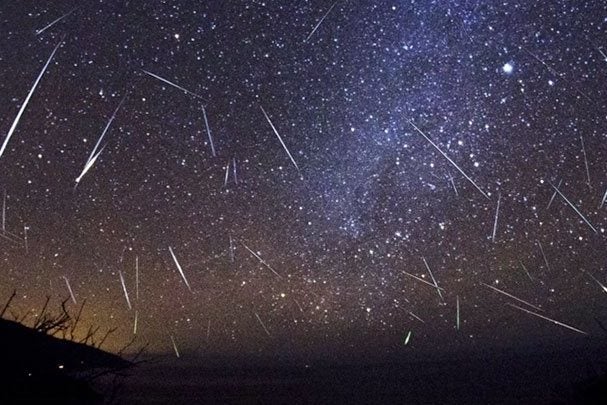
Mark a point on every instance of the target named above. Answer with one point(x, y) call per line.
point(505, 379)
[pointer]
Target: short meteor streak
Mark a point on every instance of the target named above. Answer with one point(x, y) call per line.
point(603, 287)
point(175, 346)
point(227, 176)
point(137, 277)
point(206, 123)
point(126, 294)
point(422, 280)
point(550, 68)
point(554, 72)
point(232, 247)
point(135, 322)
point(574, 208)
point(320, 22)
point(554, 195)
point(408, 338)
point(457, 312)
point(448, 158)
point(95, 154)
point(298, 305)
point(526, 271)
point(185, 280)
point(4, 212)
point(40, 31)
point(261, 260)
point(107, 127)
point(512, 296)
point(543, 255)
point(416, 317)
point(234, 171)
point(69, 288)
point(453, 184)
point(548, 319)
point(497, 212)
point(162, 79)
point(27, 99)
point(433, 279)
point(87, 167)
point(279, 138)
point(25, 228)
point(9, 237)
point(262, 325)
point(585, 161)
point(604, 199)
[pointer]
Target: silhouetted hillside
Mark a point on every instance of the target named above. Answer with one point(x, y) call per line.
point(37, 366)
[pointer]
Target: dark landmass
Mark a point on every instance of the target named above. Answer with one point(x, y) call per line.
point(39, 368)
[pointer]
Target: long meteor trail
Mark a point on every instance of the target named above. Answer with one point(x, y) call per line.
point(320, 22)
point(170, 83)
point(433, 279)
point(422, 280)
point(512, 296)
point(175, 346)
point(126, 293)
point(185, 280)
point(206, 123)
point(27, 99)
point(261, 260)
point(95, 153)
point(69, 288)
point(40, 31)
point(554, 194)
point(263, 325)
point(448, 158)
point(549, 319)
point(574, 208)
point(279, 138)
point(497, 212)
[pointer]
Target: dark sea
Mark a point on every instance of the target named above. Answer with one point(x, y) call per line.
point(505, 378)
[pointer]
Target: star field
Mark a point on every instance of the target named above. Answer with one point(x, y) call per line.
point(342, 147)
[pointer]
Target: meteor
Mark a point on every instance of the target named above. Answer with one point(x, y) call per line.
point(261, 260)
point(162, 79)
point(69, 288)
point(279, 138)
point(27, 99)
point(185, 280)
point(574, 208)
point(262, 325)
point(448, 158)
point(126, 294)
point(320, 22)
point(549, 319)
point(40, 31)
point(511, 296)
point(206, 123)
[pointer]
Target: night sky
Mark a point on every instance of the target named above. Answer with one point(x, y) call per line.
point(421, 139)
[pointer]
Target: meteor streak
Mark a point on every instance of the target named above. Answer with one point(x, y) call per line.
point(574, 208)
point(448, 158)
point(40, 31)
point(27, 99)
point(279, 138)
point(549, 319)
point(320, 22)
point(162, 79)
point(126, 294)
point(511, 296)
point(262, 325)
point(185, 280)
